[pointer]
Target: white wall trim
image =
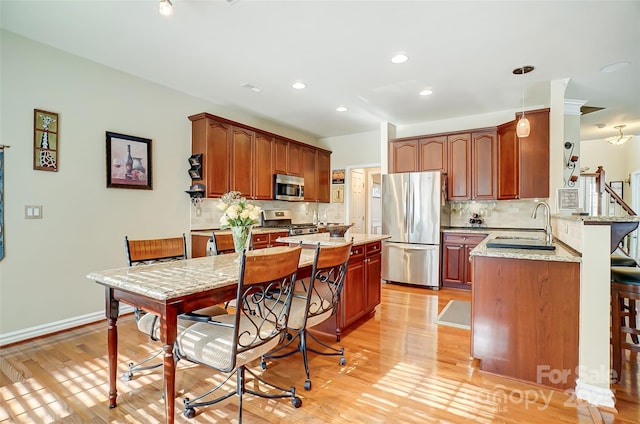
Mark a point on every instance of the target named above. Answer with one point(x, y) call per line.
point(53, 327)
point(595, 395)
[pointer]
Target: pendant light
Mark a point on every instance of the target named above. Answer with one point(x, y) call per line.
point(165, 8)
point(523, 128)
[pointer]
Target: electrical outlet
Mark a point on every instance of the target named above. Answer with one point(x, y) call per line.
point(33, 212)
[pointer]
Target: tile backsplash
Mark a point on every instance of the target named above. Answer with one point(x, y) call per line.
point(209, 215)
point(497, 214)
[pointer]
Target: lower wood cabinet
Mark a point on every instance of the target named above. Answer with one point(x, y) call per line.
point(264, 240)
point(456, 269)
point(361, 291)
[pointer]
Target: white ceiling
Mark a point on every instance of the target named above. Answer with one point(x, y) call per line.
point(464, 51)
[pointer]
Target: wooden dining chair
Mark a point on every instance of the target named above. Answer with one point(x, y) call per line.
point(317, 301)
point(149, 251)
point(229, 343)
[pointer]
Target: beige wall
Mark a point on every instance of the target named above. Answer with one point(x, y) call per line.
point(42, 277)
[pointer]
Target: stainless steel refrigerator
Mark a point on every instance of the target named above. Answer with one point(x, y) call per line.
point(413, 211)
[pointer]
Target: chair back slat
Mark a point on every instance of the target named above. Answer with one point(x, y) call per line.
point(155, 250)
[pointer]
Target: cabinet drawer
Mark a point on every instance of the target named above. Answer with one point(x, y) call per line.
point(260, 238)
point(459, 238)
point(373, 248)
point(357, 251)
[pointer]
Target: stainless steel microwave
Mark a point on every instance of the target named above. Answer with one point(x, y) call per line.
point(288, 187)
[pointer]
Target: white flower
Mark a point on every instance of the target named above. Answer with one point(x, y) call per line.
point(237, 212)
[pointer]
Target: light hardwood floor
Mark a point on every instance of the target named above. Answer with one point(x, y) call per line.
point(401, 368)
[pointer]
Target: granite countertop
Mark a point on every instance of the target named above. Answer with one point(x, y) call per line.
point(599, 219)
point(562, 253)
point(170, 280)
point(325, 240)
point(254, 230)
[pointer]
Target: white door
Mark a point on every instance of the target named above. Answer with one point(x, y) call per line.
point(357, 209)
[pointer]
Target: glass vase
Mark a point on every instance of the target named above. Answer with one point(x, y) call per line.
point(241, 237)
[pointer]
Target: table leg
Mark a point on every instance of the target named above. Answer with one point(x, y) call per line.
point(168, 334)
point(112, 310)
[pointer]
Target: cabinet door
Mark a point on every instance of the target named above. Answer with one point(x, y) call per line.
point(459, 169)
point(453, 268)
point(324, 176)
point(263, 173)
point(403, 156)
point(294, 160)
point(217, 149)
point(534, 157)
point(309, 174)
point(242, 161)
point(484, 165)
point(433, 154)
point(353, 292)
point(280, 156)
point(274, 236)
point(260, 241)
point(373, 275)
point(508, 162)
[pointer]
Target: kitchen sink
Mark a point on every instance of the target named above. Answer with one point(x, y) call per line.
point(505, 242)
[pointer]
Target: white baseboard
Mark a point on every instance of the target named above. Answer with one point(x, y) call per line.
point(53, 327)
point(595, 395)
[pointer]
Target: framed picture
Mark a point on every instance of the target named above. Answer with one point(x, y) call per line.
point(375, 190)
point(195, 162)
point(337, 194)
point(337, 176)
point(45, 140)
point(128, 162)
point(568, 199)
point(618, 188)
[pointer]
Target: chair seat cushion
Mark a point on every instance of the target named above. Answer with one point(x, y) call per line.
point(211, 344)
point(626, 275)
point(622, 260)
point(298, 307)
point(147, 323)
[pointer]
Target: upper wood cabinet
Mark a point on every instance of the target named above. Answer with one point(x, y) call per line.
point(433, 154)
point(459, 166)
point(523, 163)
point(242, 158)
point(484, 158)
point(403, 156)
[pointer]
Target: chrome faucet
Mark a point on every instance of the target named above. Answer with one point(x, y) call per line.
point(547, 227)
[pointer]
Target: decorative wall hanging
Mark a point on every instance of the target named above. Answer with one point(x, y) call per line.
point(337, 194)
point(128, 161)
point(46, 140)
point(195, 163)
point(337, 176)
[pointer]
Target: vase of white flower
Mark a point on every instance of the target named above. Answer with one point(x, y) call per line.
point(239, 215)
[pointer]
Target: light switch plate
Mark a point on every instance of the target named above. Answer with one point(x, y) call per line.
point(33, 212)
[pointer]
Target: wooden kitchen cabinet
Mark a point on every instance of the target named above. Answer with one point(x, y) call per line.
point(484, 158)
point(433, 154)
point(242, 158)
point(459, 166)
point(403, 156)
point(456, 269)
point(361, 291)
point(264, 240)
point(523, 164)
point(213, 140)
point(309, 164)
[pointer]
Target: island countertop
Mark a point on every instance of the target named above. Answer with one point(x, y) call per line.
point(325, 240)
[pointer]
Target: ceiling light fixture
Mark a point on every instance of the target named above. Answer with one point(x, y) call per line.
point(400, 58)
point(523, 128)
point(426, 92)
point(165, 8)
point(619, 139)
point(341, 108)
point(299, 85)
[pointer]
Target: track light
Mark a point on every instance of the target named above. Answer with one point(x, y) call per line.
point(165, 8)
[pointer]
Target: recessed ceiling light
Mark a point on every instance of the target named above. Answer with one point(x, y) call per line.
point(523, 70)
point(400, 58)
point(615, 67)
point(341, 108)
point(299, 85)
point(426, 92)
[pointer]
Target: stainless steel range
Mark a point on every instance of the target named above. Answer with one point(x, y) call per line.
point(281, 218)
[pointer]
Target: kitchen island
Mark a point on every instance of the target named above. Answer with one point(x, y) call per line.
point(361, 291)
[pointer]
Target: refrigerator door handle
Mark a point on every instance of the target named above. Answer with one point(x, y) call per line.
point(406, 207)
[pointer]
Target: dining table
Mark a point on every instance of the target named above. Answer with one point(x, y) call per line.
point(169, 289)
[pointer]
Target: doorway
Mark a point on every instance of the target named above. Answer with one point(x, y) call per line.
point(634, 183)
point(363, 198)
